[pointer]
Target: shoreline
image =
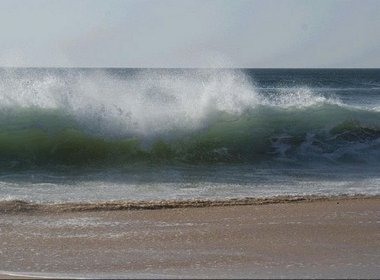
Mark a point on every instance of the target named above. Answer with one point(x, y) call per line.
point(326, 238)
point(20, 206)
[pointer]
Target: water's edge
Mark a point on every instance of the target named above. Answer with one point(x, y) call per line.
point(19, 206)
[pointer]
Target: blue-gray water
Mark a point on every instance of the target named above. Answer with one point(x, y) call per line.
point(130, 134)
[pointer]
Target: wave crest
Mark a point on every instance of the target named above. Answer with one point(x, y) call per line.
point(145, 103)
point(75, 117)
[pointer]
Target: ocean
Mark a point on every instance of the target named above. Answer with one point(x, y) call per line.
point(90, 135)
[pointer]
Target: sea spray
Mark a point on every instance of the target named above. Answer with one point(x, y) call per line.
point(144, 103)
point(105, 117)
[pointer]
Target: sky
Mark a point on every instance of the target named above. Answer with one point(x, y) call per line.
point(193, 33)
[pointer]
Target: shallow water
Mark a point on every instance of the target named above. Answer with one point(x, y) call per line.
point(190, 182)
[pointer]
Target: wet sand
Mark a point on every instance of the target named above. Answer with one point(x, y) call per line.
point(319, 239)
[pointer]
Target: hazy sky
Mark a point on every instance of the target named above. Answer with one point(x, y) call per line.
point(194, 33)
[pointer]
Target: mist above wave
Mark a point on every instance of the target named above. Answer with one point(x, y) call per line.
point(147, 102)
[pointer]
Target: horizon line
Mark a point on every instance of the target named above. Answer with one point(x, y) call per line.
point(185, 68)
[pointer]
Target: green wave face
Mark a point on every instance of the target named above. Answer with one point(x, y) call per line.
point(46, 137)
point(326, 133)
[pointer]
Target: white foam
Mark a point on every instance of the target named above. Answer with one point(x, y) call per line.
point(148, 102)
point(298, 97)
point(40, 275)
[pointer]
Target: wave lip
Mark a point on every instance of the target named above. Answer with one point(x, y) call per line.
point(19, 206)
point(117, 105)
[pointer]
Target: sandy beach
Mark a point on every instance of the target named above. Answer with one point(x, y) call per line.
point(337, 238)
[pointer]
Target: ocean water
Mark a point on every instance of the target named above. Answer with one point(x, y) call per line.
point(86, 135)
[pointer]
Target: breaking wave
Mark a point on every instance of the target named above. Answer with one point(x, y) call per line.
point(75, 117)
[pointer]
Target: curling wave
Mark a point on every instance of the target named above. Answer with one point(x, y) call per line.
point(71, 118)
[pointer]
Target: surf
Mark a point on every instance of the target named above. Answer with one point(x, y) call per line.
point(73, 117)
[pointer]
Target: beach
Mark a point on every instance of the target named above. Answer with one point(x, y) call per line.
point(335, 238)
point(189, 139)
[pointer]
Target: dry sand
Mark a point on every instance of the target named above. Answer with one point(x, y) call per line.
point(338, 238)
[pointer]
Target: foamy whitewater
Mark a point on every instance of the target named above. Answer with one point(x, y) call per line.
point(86, 135)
